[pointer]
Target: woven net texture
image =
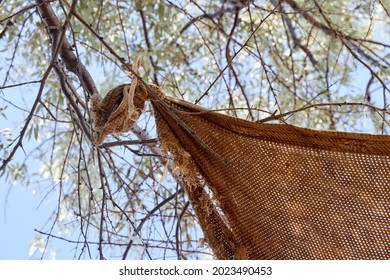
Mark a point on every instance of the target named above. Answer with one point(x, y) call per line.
point(271, 191)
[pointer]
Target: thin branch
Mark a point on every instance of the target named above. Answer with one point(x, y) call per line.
point(296, 40)
point(80, 118)
point(342, 38)
point(149, 46)
point(385, 7)
point(20, 84)
point(338, 104)
point(150, 213)
point(327, 29)
point(102, 204)
point(17, 13)
point(178, 248)
point(108, 243)
point(237, 52)
point(15, 50)
point(228, 57)
point(129, 142)
point(205, 16)
point(2, 33)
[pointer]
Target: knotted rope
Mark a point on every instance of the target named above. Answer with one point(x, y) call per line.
point(120, 108)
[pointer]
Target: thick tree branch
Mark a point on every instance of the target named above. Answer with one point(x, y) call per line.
point(53, 28)
point(51, 21)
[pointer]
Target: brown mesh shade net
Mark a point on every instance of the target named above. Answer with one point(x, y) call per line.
point(274, 191)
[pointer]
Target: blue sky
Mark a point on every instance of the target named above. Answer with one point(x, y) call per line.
point(20, 215)
point(22, 208)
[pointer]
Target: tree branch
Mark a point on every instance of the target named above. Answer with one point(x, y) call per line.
point(327, 30)
point(55, 51)
point(237, 52)
point(53, 28)
point(149, 46)
point(338, 104)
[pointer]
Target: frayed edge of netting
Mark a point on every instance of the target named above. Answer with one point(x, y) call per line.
point(217, 233)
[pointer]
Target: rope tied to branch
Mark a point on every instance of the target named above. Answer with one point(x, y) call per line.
point(120, 108)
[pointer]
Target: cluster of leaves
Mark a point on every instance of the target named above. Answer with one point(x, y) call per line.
point(322, 64)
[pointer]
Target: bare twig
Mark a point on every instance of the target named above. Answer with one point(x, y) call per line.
point(149, 46)
point(237, 52)
point(150, 213)
point(338, 104)
point(343, 38)
point(293, 34)
point(327, 29)
point(129, 142)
